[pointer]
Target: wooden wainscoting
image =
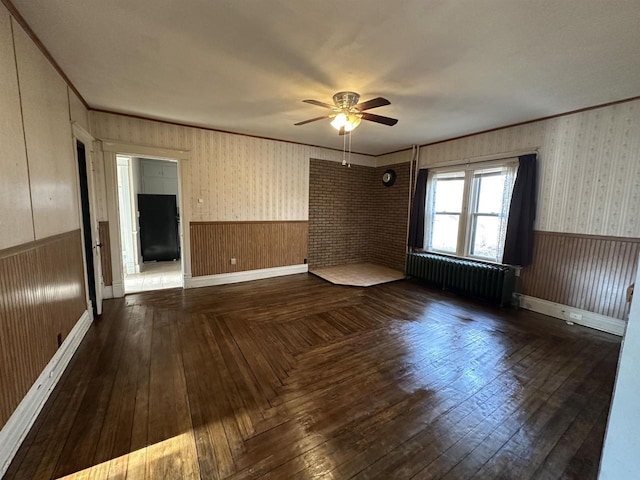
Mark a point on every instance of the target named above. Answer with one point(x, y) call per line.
point(584, 271)
point(105, 253)
point(42, 294)
point(254, 245)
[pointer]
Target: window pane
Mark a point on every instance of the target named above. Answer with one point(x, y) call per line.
point(448, 194)
point(444, 234)
point(491, 193)
point(485, 237)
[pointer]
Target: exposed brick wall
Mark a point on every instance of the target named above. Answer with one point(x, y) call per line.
point(354, 218)
point(389, 218)
point(340, 201)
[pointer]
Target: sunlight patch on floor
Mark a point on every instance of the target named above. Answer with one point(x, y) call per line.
point(164, 459)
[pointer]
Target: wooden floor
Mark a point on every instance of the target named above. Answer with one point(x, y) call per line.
point(297, 378)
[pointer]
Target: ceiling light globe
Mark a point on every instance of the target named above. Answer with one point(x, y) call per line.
point(339, 122)
point(353, 120)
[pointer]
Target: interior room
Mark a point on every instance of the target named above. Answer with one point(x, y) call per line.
point(148, 204)
point(319, 239)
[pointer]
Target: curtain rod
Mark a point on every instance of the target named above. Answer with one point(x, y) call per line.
point(483, 158)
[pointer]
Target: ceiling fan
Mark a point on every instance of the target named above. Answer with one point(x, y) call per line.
point(347, 113)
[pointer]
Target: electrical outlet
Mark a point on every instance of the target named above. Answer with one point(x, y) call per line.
point(516, 300)
point(575, 316)
point(233, 261)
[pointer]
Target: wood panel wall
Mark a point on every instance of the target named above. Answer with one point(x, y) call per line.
point(105, 253)
point(254, 245)
point(42, 294)
point(584, 271)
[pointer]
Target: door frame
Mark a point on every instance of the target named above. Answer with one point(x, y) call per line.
point(111, 150)
point(79, 134)
point(130, 210)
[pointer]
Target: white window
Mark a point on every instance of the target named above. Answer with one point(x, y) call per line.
point(467, 209)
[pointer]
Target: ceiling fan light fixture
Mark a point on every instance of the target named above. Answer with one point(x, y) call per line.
point(353, 121)
point(346, 113)
point(339, 121)
point(347, 120)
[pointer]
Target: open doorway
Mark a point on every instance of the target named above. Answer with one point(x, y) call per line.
point(148, 198)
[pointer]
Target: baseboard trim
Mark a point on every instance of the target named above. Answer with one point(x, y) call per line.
point(117, 290)
point(15, 430)
point(236, 277)
point(107, 292)
point(564, 312)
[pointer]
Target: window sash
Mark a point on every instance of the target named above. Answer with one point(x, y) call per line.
point(473, 230)
point(444, 178)
point(438, 179)
point(477, 187)
point(468, 217)
point(442, 250)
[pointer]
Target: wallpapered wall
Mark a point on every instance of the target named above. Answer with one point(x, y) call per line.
point(239, 178)
point(41, 267)
point(589, 179)
point(38, 184)
point(16, 221)
point(394, 158)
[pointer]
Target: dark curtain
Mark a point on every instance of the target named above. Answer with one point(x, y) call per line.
point(518, 244)
point(416, 220)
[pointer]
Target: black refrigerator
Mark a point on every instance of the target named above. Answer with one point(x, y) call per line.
point(159, 238)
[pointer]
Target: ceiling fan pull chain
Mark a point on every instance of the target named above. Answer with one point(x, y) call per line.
point(344, 147)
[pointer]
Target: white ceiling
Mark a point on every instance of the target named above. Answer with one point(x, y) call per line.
point(448, 67)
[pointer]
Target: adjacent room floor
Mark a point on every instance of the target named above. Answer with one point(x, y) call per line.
point(294, 377)
point(154, 276)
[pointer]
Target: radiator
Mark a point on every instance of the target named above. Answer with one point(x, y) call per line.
point(488, 281)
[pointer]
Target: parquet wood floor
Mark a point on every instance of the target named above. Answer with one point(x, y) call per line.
point(295, 378)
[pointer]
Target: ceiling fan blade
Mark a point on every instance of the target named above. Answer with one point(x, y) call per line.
point(373, 103)
point(319, 104)
point(379, 119)
point(312, 120)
